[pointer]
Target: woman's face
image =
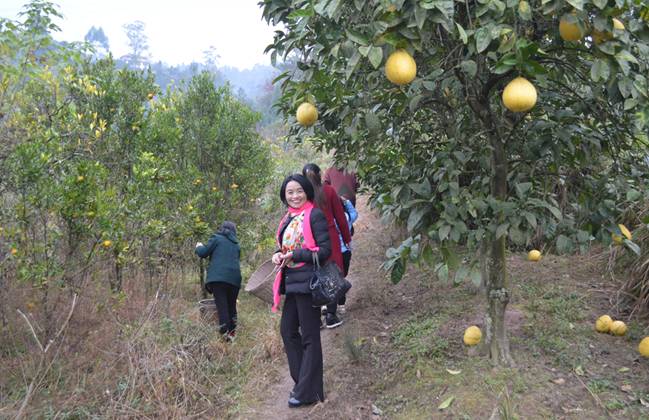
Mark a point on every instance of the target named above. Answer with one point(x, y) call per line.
point(295, 195)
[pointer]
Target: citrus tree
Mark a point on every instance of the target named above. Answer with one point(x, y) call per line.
point(552, 166)
point(103, 173)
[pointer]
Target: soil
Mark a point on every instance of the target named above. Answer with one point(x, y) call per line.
point(399, 351)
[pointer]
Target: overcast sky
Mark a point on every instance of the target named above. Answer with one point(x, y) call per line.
point(178, 31)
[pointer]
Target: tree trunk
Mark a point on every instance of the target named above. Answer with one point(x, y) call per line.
point(497, 284)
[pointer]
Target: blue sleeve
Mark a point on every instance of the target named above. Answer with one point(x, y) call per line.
point(205, 251)
point(351, 211)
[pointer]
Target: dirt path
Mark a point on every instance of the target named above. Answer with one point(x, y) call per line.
point(344, 384)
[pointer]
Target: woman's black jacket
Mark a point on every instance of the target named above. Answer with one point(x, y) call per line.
point(296, 280)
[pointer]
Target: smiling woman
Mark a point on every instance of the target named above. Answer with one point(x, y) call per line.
point(302, 232)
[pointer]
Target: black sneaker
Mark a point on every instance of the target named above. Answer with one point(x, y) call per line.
point(333, 321)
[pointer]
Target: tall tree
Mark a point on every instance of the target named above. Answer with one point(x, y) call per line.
point(444, 155)
point(98, 39)
point(138, 42)
point(211, 57)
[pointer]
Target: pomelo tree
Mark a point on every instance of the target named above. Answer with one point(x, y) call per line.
point(442, 153)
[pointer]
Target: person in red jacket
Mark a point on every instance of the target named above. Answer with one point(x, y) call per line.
point(327, 200)
point(345, 183)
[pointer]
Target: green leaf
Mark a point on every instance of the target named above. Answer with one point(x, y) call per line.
point(447, 403)
point(524, 10)
point(564, 244)
point(428, 255)
point(469, 67)
point(624, 55)
point(462, 32)
point(352, 63)
point(522, 188)
point(633, 247)
point(414, 102)
point(633, 195)
point(577, 4)
point(555, 211)
point(444, 231)
point(300, 13)
point(482, 38)
point(420, 16)
point(357, 37)
point(461, 274)
point(398, 270)
point(476, 277)
point(442, 272)
point(502, 230)
point(376, 56)
point(372, 121)
point(600, 70)
point(423, 188)
point(414, 218)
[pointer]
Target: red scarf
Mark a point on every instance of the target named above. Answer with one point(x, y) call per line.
point(309, 243)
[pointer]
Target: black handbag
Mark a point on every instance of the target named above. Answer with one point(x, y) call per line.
point(327, 284)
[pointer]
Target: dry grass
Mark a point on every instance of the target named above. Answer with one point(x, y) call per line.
point(130, 355)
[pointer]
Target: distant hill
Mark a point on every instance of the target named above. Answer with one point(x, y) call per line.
point(253, 82)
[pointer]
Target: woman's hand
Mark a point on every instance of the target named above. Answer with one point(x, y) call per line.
point(282, 258)
point(286, 258)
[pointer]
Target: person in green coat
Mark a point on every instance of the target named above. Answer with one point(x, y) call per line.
point(223, 274)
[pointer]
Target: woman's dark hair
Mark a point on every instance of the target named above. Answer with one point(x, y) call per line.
point(304, 183)
point(227, 226)
point(312, 172)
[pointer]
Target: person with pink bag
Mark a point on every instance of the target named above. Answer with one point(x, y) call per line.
point(301, 232)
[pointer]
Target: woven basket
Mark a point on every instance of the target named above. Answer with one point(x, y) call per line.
point(207, 308)
point(261, 282)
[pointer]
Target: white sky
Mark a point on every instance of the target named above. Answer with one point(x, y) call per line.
point(178, 31)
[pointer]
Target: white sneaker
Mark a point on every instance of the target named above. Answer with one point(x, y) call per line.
point(323, 310)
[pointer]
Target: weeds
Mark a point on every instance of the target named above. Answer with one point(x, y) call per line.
point(419, 336)
point(353, 347)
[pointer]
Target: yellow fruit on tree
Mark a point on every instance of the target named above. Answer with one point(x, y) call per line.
point(306, 114)
point(400, 68)
point(80, 178)
point(107, 243)
point(643, 347)
point(617, 24)
point(534, 255)
point(603, 324)
point(519, 95)
point(13, 251)
point(618, 328)
point(472, 336)
point(569, 31)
